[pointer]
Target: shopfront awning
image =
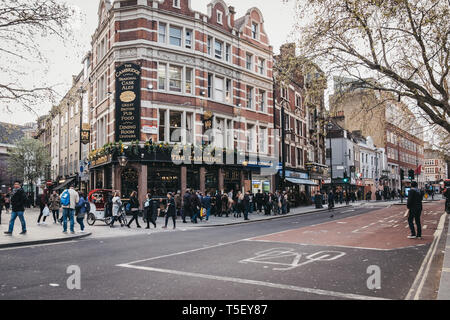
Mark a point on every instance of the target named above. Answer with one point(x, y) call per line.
point(302, 181)
point(64, 184)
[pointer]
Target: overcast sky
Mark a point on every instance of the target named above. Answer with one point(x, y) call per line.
point(65, 59)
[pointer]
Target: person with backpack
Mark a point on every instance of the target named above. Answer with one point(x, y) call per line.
point(69, 200)
point(134, 209)
point(83, 206)
point(54, 205)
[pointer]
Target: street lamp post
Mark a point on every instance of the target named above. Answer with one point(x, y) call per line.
point(329, 127)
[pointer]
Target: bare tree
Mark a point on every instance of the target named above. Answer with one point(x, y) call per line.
point(29, 160)
point(23, 26)
point(396, 46)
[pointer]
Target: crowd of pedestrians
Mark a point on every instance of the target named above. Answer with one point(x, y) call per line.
point(194, 205)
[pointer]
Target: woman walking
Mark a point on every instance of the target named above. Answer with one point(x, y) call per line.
point(54, 205)
point(151, 206)
point(42, 204)
point(134, 202)
point(82, 208)
point(170, 211)
point(116, 204)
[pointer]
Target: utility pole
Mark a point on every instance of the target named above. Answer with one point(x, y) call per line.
point(329, 127)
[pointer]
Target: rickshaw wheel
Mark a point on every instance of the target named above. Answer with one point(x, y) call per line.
point(91, 219)
point(108, 220)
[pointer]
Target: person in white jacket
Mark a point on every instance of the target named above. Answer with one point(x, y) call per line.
point(116, 209)
point(69, 210)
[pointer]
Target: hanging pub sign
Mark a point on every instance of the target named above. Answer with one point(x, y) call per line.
point(85, 133)
point(128, 102)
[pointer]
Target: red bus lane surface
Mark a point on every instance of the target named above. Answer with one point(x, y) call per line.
point(383, 229)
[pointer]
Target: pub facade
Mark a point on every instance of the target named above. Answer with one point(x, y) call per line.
point(180, 99)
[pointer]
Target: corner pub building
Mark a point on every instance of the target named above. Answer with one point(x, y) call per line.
point(159, 68)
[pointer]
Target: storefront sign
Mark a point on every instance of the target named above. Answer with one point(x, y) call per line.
point(85, 133)
point(128, 102)
point(101, 160)
point(150, 129)
point(296, 175)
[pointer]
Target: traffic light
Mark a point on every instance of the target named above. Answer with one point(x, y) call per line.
point(402, 174)
point(345, 177)
point(411, 174)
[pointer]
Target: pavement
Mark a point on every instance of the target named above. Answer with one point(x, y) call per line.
point(51, 232)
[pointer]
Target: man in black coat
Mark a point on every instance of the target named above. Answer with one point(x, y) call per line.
point(446, 194)
point(414, 205)
point(259, 201)
point(18, 199)
point(187, 208)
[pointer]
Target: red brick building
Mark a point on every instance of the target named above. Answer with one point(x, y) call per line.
point(205, 76)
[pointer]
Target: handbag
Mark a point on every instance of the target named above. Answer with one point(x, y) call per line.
point(46, 212)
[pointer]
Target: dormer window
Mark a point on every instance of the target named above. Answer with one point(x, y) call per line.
point(176, 4)
point(254, 30)
point(219, 17)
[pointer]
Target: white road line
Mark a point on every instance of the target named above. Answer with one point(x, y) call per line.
point(323, 245)
point(425, 267)
point(187, 251)
point(257, 283)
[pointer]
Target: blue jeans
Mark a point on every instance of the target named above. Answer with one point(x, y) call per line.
point(14, 215)
point(68, 213)
point(81, 223)
point(208, 212)
point(251, 207)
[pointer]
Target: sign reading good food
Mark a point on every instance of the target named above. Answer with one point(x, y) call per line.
point(128, 102)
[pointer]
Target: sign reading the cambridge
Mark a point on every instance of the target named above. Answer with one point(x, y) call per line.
point(128, 102)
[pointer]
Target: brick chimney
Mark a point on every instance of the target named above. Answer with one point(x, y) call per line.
point(232, 14)
point(288, 49)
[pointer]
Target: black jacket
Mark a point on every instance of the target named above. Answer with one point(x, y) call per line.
point(153, 207)
point(171, 209)
point(18, 200)
point(414, 200)
point(134, 202)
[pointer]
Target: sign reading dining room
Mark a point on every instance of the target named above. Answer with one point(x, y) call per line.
point(128, 102)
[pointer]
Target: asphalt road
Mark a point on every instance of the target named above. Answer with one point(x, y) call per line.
point(235, 262)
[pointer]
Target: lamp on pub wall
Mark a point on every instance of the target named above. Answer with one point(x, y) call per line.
point(123, 160)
